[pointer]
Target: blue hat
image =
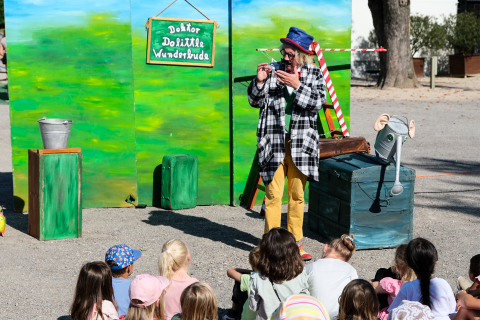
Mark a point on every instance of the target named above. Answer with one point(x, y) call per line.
point(298, 38)
point(122, 255)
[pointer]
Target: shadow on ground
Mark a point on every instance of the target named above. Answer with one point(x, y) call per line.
point(203, 228)
point(18, 221)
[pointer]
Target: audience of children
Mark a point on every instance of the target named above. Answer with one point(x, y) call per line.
point(391, 286)
point(435, 293)
point(280, 273)
point(120, 259)
point(146, 298)
point(241, 289)
point(277, 287)
point(328, 276)
point(173, 265)
point(93, 299)
point(198, 302)
point(358, 301)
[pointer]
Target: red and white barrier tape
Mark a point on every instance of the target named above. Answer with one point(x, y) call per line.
point(379, 50)
point(331, 89)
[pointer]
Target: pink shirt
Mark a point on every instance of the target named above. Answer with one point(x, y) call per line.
point(392, 286)
point(172, 296)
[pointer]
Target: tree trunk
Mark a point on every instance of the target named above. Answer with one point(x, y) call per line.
point(391, 20)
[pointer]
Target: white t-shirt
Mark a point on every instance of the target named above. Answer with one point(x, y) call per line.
point(326, 280)
point(441, 296)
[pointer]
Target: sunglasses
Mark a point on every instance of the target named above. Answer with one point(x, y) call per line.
point(284, 53)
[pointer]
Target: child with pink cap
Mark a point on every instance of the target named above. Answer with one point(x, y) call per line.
point(146, 298)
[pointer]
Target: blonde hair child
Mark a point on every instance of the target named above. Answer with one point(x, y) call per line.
point(173, 265)
point(392, 286)
point(198, 303)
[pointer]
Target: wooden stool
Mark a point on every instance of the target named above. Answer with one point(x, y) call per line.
point(55, 193)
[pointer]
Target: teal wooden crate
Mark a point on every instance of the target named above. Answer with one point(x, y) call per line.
point(353, 197)
point(179, 181)
point(55, 196)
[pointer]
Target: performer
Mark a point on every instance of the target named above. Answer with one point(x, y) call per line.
point(289, 94)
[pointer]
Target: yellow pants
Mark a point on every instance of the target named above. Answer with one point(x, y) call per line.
point(296, 201)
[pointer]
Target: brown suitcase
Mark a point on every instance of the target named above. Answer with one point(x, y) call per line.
point(341, 145)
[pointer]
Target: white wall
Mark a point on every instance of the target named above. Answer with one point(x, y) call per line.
point(362, 24)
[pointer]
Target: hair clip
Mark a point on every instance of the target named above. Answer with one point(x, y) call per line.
point(478, 278)
point(349, 238)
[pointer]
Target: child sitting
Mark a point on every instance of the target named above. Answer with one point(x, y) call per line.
point(198, 302)
point(173, 265)
point(280, 273)
point(120, 259)
point(358, 301)
point(146, 298)
point(435, 293)
point(467, 300)
point(473, 274)
point(241, 290)
point(328, 276)
point(391, 286)
point(93, 299)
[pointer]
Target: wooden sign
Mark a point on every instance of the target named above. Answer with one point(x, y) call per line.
point(181, 42)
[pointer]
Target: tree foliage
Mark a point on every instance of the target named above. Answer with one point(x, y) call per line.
point(463, 32)
point(427, 35)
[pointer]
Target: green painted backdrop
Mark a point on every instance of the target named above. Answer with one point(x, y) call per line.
point(86, 61)
point(67, 62)
point(180, 109)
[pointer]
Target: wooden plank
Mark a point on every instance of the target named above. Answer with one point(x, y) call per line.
point(253, 195)
point(57, 151)
point(33, 194)
point(60, 196)
point(79, 206)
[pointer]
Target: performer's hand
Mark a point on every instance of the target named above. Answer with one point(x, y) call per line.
point(263, 70)
point(288, 79)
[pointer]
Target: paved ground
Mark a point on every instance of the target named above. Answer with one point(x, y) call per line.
point(38, 278)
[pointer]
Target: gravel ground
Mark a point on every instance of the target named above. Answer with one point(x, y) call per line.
point(38, 278)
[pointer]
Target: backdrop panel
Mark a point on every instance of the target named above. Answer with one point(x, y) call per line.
point(259, 24)
point(182, 109)
point(73, 60)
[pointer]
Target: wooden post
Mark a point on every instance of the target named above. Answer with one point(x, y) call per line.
point(433, 71)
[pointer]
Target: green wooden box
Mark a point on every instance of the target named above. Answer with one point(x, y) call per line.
point(179, 181)
point(353, 197)
point(54, 193)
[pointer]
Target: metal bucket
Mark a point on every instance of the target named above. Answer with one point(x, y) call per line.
point(55, 132)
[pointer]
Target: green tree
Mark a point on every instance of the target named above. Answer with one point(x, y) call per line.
point(463, 32)
point(419, 29)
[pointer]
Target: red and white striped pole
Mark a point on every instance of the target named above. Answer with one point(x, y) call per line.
point(369, 50)
point(330, 88)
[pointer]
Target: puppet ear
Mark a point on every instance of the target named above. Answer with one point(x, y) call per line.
point(381, 122)
point(411, 129)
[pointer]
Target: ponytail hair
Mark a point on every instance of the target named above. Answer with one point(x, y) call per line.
point(174, 256)
point(343, 246)
point(422, 257)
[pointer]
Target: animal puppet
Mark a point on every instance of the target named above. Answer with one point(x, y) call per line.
point(392, 134)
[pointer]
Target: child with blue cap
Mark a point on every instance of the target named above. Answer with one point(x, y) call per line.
point(120, 259)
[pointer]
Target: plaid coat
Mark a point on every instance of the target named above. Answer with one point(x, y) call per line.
point(309, 99)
